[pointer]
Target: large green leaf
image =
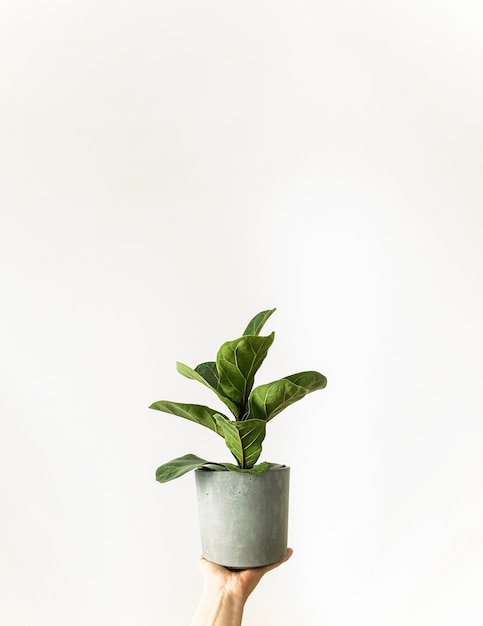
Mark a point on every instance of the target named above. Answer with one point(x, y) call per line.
point(194, 412)
point(207, 374)
point(177, 467)
point(184, 464)
point(255, 325)
point(267, 401)
point(237, 362)
point(310, 381)
point(244, 439)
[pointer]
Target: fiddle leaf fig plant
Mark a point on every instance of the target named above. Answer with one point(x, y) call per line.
point(231, 377)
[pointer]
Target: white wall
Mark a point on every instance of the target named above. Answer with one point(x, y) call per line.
point(168, 170)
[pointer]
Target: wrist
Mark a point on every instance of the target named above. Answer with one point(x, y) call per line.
point(219, 606)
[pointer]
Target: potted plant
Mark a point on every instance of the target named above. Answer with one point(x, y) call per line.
point(243, 505)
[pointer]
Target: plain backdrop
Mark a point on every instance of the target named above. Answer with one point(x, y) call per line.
point(169, 169)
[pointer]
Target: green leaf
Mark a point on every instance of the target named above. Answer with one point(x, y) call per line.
point(194, 412)
point(184, 464)
point(260, 468)
point(255, 325)
point(267, 401)
point(177, 467)
point(310, 381)
point(244, 439)
point(207, 374)
point(237, 362)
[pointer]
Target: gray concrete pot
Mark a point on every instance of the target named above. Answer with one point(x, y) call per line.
point(243, 517)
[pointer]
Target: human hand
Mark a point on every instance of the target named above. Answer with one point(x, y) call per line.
point(236, 583)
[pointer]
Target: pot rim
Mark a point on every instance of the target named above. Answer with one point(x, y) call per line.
point(244, 472)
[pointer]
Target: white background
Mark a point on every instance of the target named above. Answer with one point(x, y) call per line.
point(169, 169)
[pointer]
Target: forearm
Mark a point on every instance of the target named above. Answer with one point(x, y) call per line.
point(218, 608)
